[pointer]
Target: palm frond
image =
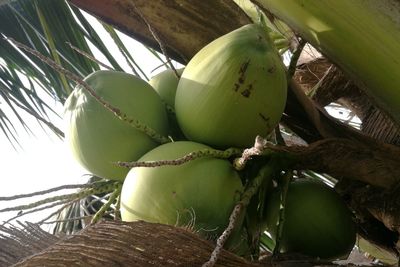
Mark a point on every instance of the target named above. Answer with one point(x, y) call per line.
point(54, 29)
point(21, 75)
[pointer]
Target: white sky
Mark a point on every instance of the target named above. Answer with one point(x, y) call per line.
point(44, 160)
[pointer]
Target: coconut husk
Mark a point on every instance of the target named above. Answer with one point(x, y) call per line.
point(115, 243)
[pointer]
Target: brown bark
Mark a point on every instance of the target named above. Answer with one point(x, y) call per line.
point(18, 242)
point(376, 211)
point(183, 27)
point(316, 123)
point(379, 126)
point(115, 243)
point(374, 163)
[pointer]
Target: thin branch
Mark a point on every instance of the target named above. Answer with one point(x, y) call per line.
point(103, 209)
point(105, 189)
point(87, 55)
point(188, 157)
point(295, 58)
point(81, 194)
point(225, 235)
point(42, 202)
point(96, 199)
point(43, 192)
point(158, 40)
point(21, 214)
point(258, 149)
point(68, 203)
point(117, 211)
point(285, 186)
point(72, 219)
point(264, 173)
point(278, 136)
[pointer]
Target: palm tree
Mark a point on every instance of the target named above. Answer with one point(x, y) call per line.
point(364, 162)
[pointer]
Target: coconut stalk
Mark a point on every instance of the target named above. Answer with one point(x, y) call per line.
point(360, 36)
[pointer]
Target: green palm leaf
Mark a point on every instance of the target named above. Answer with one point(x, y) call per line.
point(54, 29)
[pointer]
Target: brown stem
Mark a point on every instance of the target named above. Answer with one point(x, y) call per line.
point(374, 163)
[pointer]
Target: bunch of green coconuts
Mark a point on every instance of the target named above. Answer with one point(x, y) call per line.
point(231, 91)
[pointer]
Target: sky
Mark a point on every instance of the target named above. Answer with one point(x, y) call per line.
point(44, 161)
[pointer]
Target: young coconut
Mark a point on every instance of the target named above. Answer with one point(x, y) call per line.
point(165, 84)
point(200, 194)
point(232, 90)
point(97, 137)
point(316, 222)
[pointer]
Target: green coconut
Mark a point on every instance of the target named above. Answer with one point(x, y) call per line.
point(232, 90)
point(98, 138)
point(199, 194)
point(165, 84)
point(317, 222)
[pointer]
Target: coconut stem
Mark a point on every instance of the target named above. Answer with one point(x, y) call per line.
point(158, 40)
point(286, 180)
point(137, 124)
point(265, 173)
point(43, 192)
point(117, 212)
point(67, 199)
point(44, 220)
point(259, 148)
point(88, 56)
point(55, 204)
point(279, 137)
point(66, 220)
point(295, 58)
point(188, 157)
point(100, 213)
